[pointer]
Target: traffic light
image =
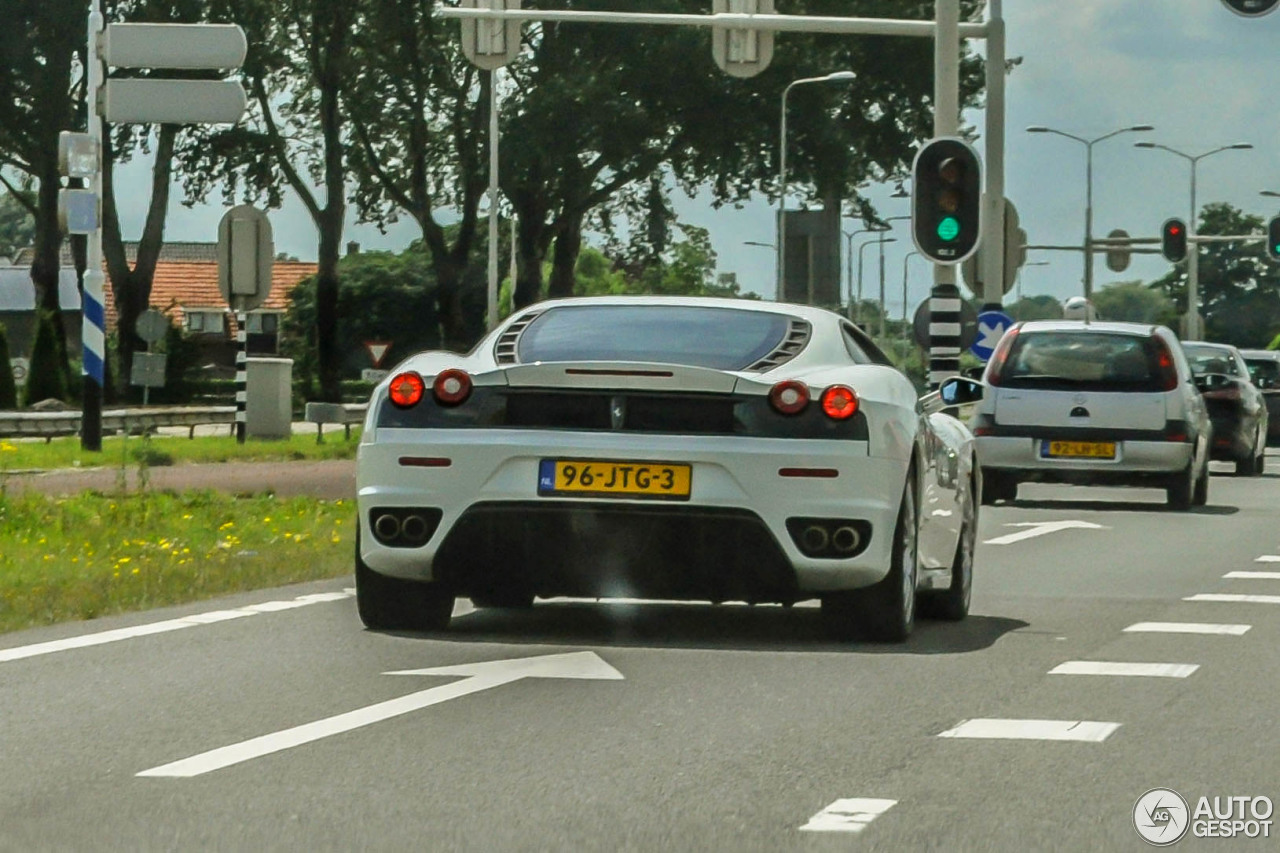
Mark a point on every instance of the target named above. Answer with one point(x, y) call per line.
point(946, 200)
point(1273, 238)
point(1173, 240)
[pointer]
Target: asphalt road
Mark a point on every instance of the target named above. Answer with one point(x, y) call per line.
point(677, 727)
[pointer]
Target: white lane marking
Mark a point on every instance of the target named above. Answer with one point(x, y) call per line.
point(1188, 628)
point(481, 676)
point(1235, 599)
point(849, 815)
point(207, 618)
point(1257, 576)
point(1040, 528)
point(998, 729)
point(1268, 558)
point(1097, 667)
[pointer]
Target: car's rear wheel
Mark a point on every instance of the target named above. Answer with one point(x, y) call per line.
point(1179, 491)
point(998, 486)
point(952, 604)
point(1200, 496)
point(884, 612)
point(389, 604)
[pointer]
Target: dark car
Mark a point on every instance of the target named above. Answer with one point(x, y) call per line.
point(1236, 406)
point(1264, 369)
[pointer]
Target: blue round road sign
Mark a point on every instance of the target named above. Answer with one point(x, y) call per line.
point(991, 326)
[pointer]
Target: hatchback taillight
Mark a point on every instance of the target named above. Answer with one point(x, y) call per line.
point(452, 387)
point(405, 389)
point(1000, 356)
point(789, 397)
point(1167, 370)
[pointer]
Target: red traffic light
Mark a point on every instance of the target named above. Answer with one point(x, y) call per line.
point(1173, 240)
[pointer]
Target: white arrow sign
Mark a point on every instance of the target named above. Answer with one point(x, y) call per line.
point(989, 336)
point(481, 676)
point(1040, 528)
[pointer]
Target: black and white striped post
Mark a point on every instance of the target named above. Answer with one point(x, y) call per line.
point(242, 374)
point(944, 333)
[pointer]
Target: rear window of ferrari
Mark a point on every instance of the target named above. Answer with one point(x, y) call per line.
point(1097, 361)
point(697, 336)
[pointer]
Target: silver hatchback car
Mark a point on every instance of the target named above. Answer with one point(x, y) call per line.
point(1092, 403)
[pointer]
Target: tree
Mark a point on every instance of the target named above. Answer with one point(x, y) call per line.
point(1134, 302)
point(300, 60)
point(48, 376)
point(17, 225)
point(8, 390)
point(41, 93)
point(1042, 307)
point(1239, 289)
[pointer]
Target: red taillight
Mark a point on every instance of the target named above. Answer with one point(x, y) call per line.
point(1164, 363)
point(1001, 355)
point(789, 397)
point(406, 389)
point(451, 387)
point(839, 402)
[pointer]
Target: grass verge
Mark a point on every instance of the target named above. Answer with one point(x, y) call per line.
point(91, 555)
point(163, 450)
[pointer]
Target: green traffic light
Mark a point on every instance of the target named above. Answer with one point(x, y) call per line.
point(949, 228)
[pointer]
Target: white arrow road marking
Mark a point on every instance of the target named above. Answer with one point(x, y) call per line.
point(997, 729)
point(1258, 576)
point(850, 815)
point(207, 618)
point(1040, 528)
point(1188, 628)
point(482, 676)
point(1097, 667)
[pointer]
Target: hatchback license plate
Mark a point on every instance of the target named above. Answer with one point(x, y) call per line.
point(596, 478)
point(1078, 449)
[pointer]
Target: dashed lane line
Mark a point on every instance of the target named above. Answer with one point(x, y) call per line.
point(1258, 576)
point(1234, 598)
point(1088, 731)
point(1268, 558)
point(207, 618)
point(1153, 670)
point(1188, 628)
point(848, 815)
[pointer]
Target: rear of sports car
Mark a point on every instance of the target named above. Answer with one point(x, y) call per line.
point(541, 469)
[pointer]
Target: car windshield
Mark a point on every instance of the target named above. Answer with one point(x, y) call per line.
point(698, 336)
point(1082, 360)
point(1207, 359)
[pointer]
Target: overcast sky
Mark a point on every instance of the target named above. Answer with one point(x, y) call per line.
point(1191, 68)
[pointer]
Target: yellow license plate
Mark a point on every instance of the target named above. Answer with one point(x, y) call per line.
point(1079, 449)
point(653, 480)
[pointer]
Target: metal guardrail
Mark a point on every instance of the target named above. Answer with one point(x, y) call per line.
point(50, 425)
point(334, 413)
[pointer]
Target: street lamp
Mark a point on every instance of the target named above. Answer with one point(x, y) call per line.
point(1088, 180)
point(834, 77)
point(848, 264)
point(880, 239)
point(887, 225)
point(905, 334)
point(1193, 329)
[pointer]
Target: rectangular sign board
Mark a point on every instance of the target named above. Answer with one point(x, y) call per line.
point(174, 46)
point(173, 101)
point(148, 369)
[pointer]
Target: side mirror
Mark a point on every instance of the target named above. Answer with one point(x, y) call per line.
point(959, 390)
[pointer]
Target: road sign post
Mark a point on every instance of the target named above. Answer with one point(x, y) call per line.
point(153, 100)
point(246, 255)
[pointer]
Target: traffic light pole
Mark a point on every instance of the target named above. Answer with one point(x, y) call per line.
point(993, 248)
point(944, 300)
point(93, 335)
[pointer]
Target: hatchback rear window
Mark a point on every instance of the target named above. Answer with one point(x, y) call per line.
point(1204, 359)
point(1089, 361)
point(718, 338)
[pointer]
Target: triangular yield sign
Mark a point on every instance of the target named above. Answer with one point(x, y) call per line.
point(377, 350)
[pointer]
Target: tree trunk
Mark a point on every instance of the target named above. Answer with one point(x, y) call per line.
point(48, 250)
point(533, 239)
point(564, 260)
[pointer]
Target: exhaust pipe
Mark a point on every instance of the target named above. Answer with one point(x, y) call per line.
point(845, 540)
point(815, 539)
point(386, 527)
point(414, 528)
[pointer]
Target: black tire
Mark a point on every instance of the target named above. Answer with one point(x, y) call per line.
point(998, 486)
point(886, 611)
point(1178, 492)
point(1200, 496)
point(393, 604)
point(507, 599)
point(952, 604)
point(1262, 462)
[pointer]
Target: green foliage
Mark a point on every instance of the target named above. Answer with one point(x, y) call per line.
point(384, 297)
point(48, 375)
point(8, 390)
point(1134, 302)
point(1042, 307)
point(17, 225)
